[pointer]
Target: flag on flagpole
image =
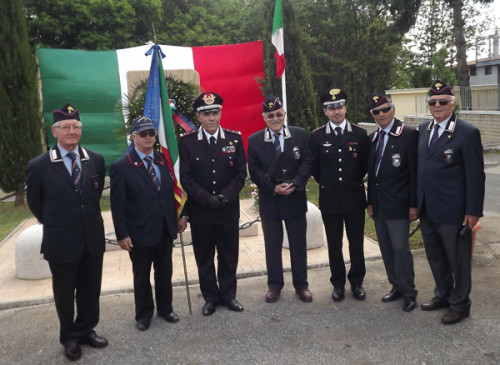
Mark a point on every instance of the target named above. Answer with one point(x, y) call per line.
point(157, 107)
point(277, 39)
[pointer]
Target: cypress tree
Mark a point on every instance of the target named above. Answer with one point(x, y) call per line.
point(20, 121)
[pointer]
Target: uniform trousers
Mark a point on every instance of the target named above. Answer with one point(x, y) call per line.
point(160, 256)
point(80, 280)
point(334, 228)
point(206, 239)
point(394, 245)
point(273, 238)
point(449, 256)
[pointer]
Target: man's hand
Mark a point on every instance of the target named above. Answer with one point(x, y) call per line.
point(369, 210)
point(215, 202)
point(284, 189)
point(126, 244)
point(181, 224)
point(413, 214)
point(471, 220)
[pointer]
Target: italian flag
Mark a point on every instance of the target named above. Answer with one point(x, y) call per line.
point(98, 84)
point(277, 39)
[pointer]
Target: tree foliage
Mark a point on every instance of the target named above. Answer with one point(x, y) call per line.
point(20, 120)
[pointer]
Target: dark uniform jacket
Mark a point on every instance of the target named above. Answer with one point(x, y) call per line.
point(261, 154)
point(204, 173)
point(71, 218)
point(339, 166)
point(394, 190)
point(451, 177)
point(139, 210)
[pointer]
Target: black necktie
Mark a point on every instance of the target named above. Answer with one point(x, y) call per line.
point(277, 145)
point(379, 152)
point(212, 143)
point(151, 171)
point(338, 130)
point(435, 136)
point(76, 172)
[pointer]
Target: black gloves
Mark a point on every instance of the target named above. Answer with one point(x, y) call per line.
point(217, 202)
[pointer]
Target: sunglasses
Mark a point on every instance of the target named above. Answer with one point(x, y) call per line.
point(272, 115)
point(149, 132)
point(385, 110)
point(433, 102)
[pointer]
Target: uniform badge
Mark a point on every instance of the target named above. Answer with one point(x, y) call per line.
point(209, 99)
point(230, 163)
point(327, 144)
point(396, 159)
point(296, 152)
point(95, 182)
point(228, 149)
point(448, 156)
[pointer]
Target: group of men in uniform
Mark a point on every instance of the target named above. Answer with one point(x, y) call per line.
point(436, 174)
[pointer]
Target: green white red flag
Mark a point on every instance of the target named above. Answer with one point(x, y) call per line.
point(277, 39)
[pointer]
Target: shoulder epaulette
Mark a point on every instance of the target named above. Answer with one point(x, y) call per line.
point(319, 128)
point(357, 126)
point(187, 133)
point(231, 131)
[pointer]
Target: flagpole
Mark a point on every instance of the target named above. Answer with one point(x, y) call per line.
point(185, 274)
point(283, 92)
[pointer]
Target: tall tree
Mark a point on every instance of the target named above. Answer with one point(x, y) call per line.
point(20, 120)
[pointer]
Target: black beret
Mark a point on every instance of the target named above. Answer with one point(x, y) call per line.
point(333, 97)
point(377, 99)
point(440, 88)
point(207, 101)
point(271, 103)
point(66, 112)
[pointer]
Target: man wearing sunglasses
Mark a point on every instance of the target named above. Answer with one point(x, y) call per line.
point(450, 196)
point(213, 172)
point(145, 221)
point(392, 196)
point(64, 186)
point(340, 157)
point(276, 149)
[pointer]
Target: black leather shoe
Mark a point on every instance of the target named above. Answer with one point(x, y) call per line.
point(143, 324)
point(96, 341)
point(434, 303)
point(72, 351)
point(338, 294)
point(453, 316)
point(208, 309)
point(358, 292)
point(392, 296)
point(234, 305)
point(409, 304)
point(171, 317)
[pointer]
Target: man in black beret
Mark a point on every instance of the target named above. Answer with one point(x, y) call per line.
point(64, 186)
point(281, 198)
point(450, 196)
point(145, 221)
point(392, 196)
point(213, 172)
point(340, 158)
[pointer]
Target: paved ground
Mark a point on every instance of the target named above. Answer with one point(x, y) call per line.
point(288, 331)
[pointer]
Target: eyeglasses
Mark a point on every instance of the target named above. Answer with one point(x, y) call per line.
point(146, 133)
point(272, 115)
point(67, 128)
point(433, 102)
point(385, 110)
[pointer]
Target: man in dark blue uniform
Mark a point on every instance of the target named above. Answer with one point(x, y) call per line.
point(392, 196)
point(282, 199)
point(64, 189)
point(213, 172)
point(450, 195)
point(145, 221)
point(340, 157)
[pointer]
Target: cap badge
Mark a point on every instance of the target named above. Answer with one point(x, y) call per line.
point(375, 99)
point(334, 92)
point(438, 86)
point(209, 99)
point(70, 109)
point(270, 104)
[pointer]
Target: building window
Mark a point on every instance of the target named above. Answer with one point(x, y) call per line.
point(487, 70)
point(473, 71)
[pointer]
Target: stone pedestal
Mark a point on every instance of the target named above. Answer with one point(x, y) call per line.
point(315, 230)
point(29, 261)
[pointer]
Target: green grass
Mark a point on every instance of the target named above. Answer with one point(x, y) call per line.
point(11, 217)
